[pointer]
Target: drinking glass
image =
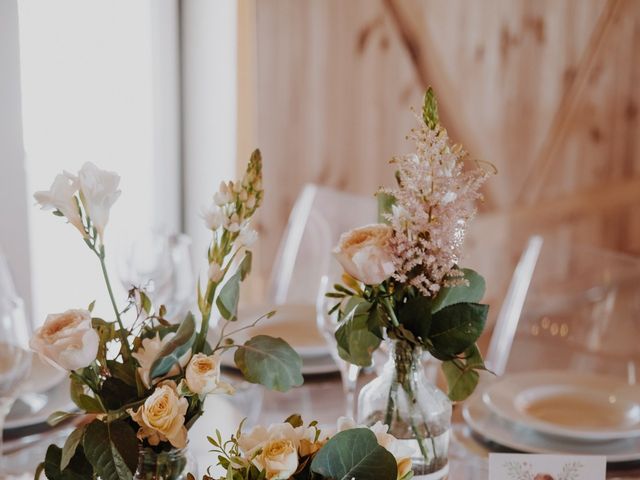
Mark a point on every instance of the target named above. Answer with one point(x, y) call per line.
point(15, 357)
point(328, 324)
point(161, 265)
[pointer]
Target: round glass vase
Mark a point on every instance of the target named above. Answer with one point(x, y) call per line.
point(417, 412)
point(172, 464)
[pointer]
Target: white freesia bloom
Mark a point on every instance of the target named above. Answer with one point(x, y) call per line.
point(402, 453)
point(161, 417)
point(67, 340)
point(277, 447)
point(365, 253)
point(99, 192)
point(215, 272)
point(223, 196)
point(147, 354)
point(247, 236)
point(203, 375)
point(61, 197)
point(214, 217)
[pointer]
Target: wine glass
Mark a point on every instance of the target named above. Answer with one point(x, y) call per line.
point(328, 324)
point(161, 265)
point(15, 357)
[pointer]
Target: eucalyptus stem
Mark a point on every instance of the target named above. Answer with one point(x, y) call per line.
point(388, 418)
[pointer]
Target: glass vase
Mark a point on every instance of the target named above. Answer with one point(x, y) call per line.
point(173, 464)
point(417, 412)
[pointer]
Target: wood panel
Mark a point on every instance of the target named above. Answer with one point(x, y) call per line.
point(548, 91)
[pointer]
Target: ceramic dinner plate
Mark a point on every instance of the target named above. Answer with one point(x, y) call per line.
point(584, 407)
point(518, 437)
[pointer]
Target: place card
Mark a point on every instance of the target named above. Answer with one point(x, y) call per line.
point(511, 466)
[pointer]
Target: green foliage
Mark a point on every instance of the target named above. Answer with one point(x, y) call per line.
point(175, 348)
point(81, 399)
point(106, 332)
point(385, 203)
point(270, 362)
point(70, 446)
point(455, 328)
point(227, 301)
point(115, 393)
point(415, 316)
point(354, 453)
point(58, 417)
point(112, 449)
point(78, 467)
point(357, 336)
point(430, 109)
point(461, 373)
point(471, 293)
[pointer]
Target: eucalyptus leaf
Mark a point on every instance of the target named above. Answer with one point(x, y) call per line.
point(354, 453)
point(245, 266)
point(175, 348)
point(270, 362)
point(463, 378)
point(456, 327)
point(227, 301)
point(112, 449)
point(70, 446)
point(471, 293)
point(78, 467)
point(356, 342)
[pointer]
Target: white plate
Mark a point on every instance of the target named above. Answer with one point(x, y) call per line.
point(574, 405)
point(294, 323)
point(485, 423)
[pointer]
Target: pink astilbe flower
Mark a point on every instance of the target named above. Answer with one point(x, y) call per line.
point(435, 199)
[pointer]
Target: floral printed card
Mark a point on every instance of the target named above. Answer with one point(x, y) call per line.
point(508, 466)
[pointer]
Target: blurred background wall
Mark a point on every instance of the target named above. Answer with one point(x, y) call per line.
point(548, 91)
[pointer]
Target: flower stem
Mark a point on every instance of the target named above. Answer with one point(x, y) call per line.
point(392, 314)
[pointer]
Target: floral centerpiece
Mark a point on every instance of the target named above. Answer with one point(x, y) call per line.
point(403, 283)
point(292, 450)
point(143, 379)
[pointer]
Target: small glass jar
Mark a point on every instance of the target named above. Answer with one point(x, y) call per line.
point(172, 464)
point(417, 412)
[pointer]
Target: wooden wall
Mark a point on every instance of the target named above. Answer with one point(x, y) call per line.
point(547, 90)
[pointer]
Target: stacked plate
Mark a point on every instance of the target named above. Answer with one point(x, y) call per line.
point(560, 412)
point(294, 323)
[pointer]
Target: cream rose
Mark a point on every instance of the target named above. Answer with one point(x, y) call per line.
point(402, 453)
point(67, 340)
point(365, 253)
point(203, 375)
point(274, 451)
point(147, 354)
point(60, 197)
point(99, 192)
point(161, 417)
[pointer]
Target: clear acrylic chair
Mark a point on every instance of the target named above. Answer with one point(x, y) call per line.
point(320, 215)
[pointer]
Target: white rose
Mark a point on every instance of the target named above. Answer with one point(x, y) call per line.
point(161, 416)
point(61, 197)
point(365, 253)
point(402, 453)
point(278, 447)
point(203, 375)
point(67, 340)
point(99, 192)
point(147, 354)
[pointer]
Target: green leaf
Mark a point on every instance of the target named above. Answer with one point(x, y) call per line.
point(175, 348)
point(91, 305)
point(112, 449)
point(270, 362)
point(124, 371)
point(456, 327)
point(385, 204)
point(463, 381)
point(245, 266)
point(294, 420)
point(356, 340)
point(77, 469)
point(415, 316)
point(229, 296)
point(115, 393)
point(70, 446)
point(145, 301)
point(106, 332)
point(58, 417)
point(471, 293)
point(430, 109)
point(354, 453)
point(82, 400)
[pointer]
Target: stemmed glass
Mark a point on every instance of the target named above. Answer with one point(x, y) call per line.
point(328, 324)
point(160, 264)
point(15, 357)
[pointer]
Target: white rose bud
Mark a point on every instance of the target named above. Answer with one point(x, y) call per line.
point(215, 272)
point(99, 191)
point(67, 340)
point(365, 253)
point(203, 375)
point(161, 417)
point(61, 197)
